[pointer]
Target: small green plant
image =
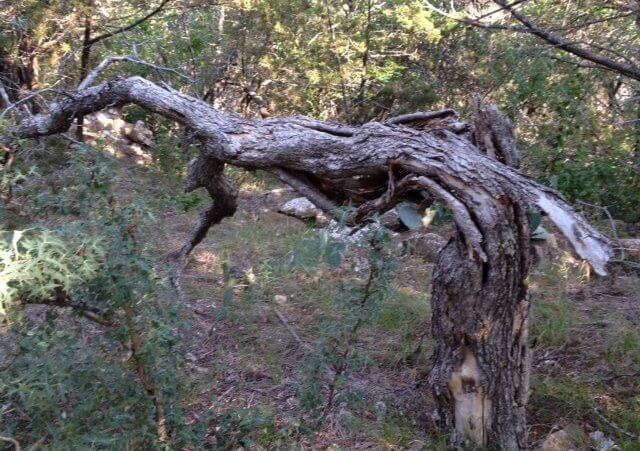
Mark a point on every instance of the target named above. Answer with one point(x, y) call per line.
point(189, 201)
point(551, 321)
point(107, 378)
point(40, 265)
point(357, 304)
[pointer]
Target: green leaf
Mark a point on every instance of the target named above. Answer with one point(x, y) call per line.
point(535, 218)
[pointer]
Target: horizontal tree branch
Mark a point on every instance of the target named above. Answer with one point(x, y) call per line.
point(308, 148)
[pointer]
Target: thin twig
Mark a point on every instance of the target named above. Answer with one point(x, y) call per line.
point(25, 99)
point(621, 376)
point(612, 425)
point(129, 59)
point(148, 385)
point(38, 444)
point(11, 440)
point(291, 330)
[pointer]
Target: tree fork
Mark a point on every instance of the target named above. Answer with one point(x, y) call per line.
point(481, 361)
point(480, 311)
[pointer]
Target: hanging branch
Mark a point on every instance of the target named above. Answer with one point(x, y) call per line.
point(627, 69)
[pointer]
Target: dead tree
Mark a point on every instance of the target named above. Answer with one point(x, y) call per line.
point(480, 301)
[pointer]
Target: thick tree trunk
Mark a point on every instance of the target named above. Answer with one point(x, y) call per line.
point(480, 314)
point(480, 319)
point(480, 305)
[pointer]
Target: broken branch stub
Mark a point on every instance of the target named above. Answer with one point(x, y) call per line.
point(480, 297)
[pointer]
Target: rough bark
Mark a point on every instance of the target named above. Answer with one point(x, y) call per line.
point(481, 360)
point(480, 296)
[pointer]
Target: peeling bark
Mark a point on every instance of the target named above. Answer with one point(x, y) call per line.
point(481, 361)
point(480, 325)
point(480, 301)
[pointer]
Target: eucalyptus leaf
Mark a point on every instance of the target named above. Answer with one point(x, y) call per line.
point(409, 216)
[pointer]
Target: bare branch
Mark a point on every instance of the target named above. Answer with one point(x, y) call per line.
point(88, 81)
point(128, 27)
point(420, 116)
point(450, 162)
point(4, 96)
point(461, 216)
point(626, 69)
point(291, 330)
point(13, 441)
point(23, 100)
point(473, 21)
point(305, 188)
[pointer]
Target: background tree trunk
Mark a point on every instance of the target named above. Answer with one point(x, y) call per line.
point(85, 58)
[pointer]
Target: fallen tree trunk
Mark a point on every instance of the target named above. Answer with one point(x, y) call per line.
point(480, 375)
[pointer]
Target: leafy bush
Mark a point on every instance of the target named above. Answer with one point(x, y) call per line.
point(35, 265)
point(112, 382)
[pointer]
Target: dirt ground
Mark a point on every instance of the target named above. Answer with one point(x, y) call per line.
point(585, 334)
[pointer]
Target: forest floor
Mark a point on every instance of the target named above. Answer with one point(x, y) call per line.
point(253, 325)
point(244, 357)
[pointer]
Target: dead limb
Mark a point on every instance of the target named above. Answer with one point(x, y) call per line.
point(61, 299)
point(420, 116)
point(283, 320)
point(24, 100)
point(305, 188)
point(614, 426)
point(208, 173)
point(95, 73)
point(494, 135)
point(13, 441)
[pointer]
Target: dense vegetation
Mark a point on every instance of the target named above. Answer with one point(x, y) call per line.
point(138, 363)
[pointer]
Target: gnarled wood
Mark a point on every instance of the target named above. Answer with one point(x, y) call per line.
point(480, 297)
point(481, 360)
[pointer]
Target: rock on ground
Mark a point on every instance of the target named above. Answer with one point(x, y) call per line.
point(301, 208)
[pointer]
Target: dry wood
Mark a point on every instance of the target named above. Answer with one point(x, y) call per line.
point(287, 325)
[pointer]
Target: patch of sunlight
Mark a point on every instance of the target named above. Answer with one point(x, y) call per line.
point(207, 259)
point(252, 187)
point(410, 291)
point(123, 150)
